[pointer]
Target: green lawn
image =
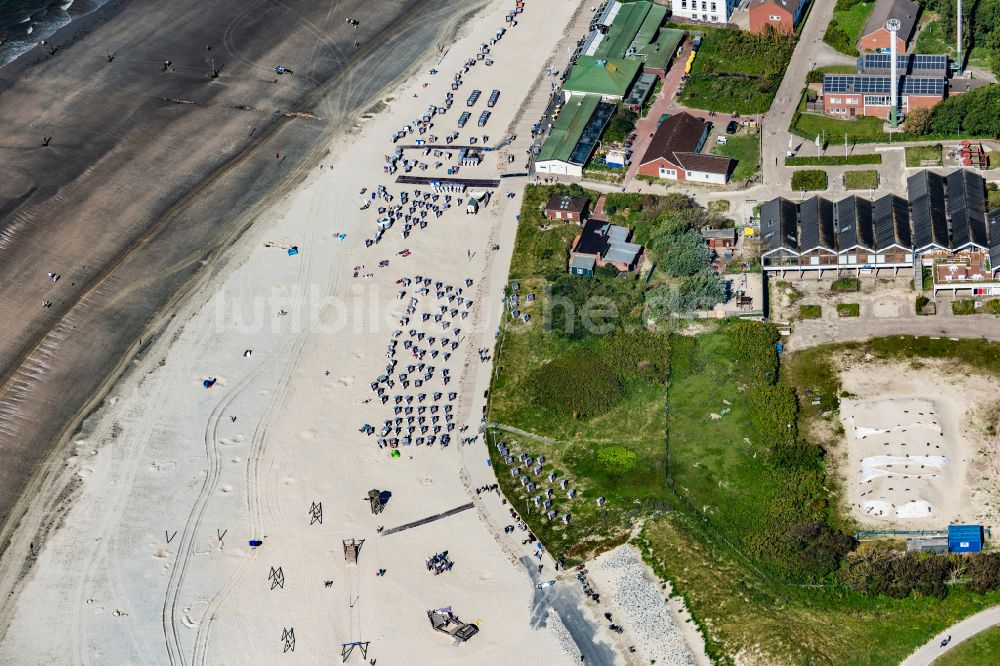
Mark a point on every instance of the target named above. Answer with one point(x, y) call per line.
point(846, 285)
point(810, 311)
point(992, 306)
point(814, 124)
point(737, 71)
point(916, 156)
point(845, 27)
point(745, 149)
point(861, 180)
point(834, 160)
point(848, 309)
point(980, 650)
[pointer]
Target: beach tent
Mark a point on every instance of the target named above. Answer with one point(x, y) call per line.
point(395, 454)
point(208, 383)
point(293, 250)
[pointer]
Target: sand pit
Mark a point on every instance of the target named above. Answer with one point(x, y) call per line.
point(911, 445)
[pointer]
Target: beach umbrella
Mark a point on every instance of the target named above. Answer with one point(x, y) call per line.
point(394, 454)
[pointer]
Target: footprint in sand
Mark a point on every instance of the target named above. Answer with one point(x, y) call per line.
point(239, 439)
point(197, 609)
point(346, 381)
point(226, 488)
point(424, 481)
point(164, 466)
point(288, 480)
point(235, 461)
point(161, 554)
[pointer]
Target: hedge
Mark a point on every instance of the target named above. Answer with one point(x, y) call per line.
point(834, 160)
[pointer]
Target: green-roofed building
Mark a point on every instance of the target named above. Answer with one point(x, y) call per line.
point(657, 55)
point(574, 135)
point(633, 31)
point(611, 79)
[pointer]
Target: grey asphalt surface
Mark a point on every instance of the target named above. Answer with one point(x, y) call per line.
point(565, 598)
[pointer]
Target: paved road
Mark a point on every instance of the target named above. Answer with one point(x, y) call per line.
point(958, 632)
point(778, 119)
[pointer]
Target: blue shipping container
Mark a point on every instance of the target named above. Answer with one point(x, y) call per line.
point(965, 538)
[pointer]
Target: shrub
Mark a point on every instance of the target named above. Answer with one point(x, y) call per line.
point(810, 311)
point(982, 572)
point(682, 255)
point(616, 460)
point(963, 307)
point(834, 160)
point(921, 303)
point(619, 201)
point(847, 284)
point(813, 179)
point(577, 384)
point(992, 306)
point(754, 349)
point(838, 38)
point(819, 548)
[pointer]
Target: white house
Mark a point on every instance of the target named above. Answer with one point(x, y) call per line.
point(706, 11)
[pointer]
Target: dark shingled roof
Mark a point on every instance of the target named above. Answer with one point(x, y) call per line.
point(778, 231)
point(592, 241)
point(904, 10)
point(994, 223)
point(853, 216)
point(566, 203)
point(927, 208)
point(706, 163)
point(891, 219)
point(816, 225)
point(679, 133)
point(967, 209)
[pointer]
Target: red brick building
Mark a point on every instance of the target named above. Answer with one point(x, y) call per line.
point(875, 37)
point(851, 95)
point(674, 153)
point(567, 209)
point(780, 15)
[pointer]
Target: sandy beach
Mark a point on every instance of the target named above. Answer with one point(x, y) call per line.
point(151, 170)
point(202, 510)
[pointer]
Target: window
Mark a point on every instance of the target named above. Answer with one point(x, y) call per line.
point(852, 100)
point(715, 19)
point(871, 259)
point(835, 100)
point(668, 173)
point(814, 261)
point(876, 100)
point(713, 8)
point(704, 5)
point(684, 4)
point(853, 259)
point(908, 258)
point(842, 259)
point(775, 18)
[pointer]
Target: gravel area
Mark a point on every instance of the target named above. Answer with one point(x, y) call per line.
point(640, 607)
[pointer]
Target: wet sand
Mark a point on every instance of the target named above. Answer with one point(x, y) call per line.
point(135, 195)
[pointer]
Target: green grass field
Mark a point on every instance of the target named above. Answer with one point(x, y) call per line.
point(784, 624)
point(866, 179)
point(814, 124)
point(963, 307)
point(980, 650)
point(849, 309)
point(745, 149)
point(810, 311)
point(736, 72)
point(845, 28)
point(916, 156)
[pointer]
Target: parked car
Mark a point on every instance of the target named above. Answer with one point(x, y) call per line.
point(732, 127)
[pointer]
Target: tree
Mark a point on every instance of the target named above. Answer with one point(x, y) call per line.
point(819, 548)
point(682, 255)
point(918, 121)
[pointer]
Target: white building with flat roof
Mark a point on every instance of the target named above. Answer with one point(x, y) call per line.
point(706, 11)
